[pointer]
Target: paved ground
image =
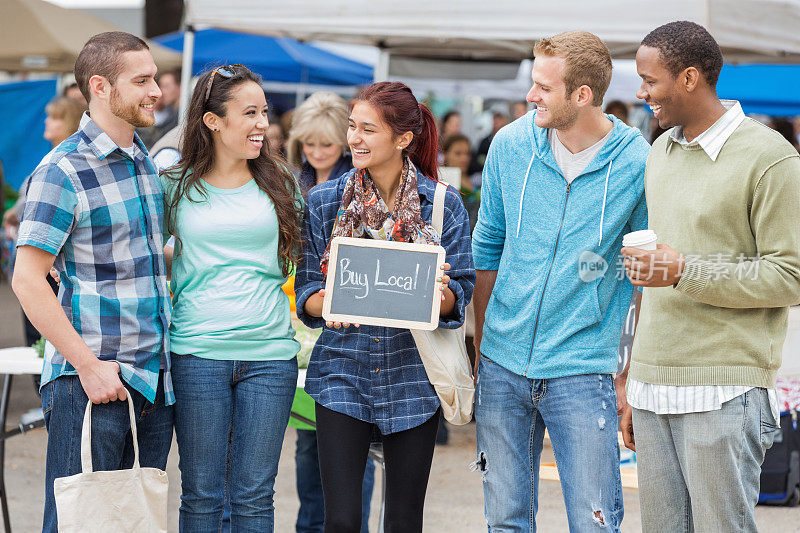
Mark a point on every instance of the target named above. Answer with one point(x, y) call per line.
point(454, 502)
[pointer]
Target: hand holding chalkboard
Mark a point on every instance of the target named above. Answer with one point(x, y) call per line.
point(384, 283)
point(336, 325)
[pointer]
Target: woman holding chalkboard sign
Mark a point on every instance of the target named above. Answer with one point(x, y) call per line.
point(317, 146)
point(235, 212)
point(369, 377)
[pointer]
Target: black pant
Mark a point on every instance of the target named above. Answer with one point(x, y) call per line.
point(343, 443)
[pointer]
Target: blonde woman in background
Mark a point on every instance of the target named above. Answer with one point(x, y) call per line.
point(317, 143)
point(63, 118)
point(317, 146)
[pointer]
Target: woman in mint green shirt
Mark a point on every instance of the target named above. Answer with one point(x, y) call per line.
point(234, 211)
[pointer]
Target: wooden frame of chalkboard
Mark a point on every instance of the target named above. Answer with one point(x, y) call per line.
point(393, 286)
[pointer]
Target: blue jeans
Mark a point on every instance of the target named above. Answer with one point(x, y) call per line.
point(580, 414)
point(64, 404)
point(701, 471)
point(230, 417)
point(311, 515)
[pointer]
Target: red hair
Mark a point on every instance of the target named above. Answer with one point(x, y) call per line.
point(401, 112)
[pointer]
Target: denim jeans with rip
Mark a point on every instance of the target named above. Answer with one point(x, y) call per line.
point(580, 415)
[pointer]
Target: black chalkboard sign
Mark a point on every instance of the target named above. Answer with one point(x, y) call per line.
point(383, 283)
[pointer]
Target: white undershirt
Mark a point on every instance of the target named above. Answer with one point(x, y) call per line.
point(572, 165)
point(129, 150)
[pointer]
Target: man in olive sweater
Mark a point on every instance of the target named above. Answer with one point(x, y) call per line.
point(723, 195)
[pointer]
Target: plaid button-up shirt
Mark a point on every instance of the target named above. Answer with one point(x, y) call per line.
point(375, 373)
point(101, 214)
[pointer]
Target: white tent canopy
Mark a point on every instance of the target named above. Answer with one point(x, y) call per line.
point(504, 30)
point(38, 36)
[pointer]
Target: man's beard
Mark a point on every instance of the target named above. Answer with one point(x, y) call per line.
point(130, 113)
point(566, 117)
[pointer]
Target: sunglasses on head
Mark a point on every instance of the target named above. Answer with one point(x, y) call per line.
point(226, 71)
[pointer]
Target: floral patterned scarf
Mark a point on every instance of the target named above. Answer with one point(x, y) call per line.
point(364, 213)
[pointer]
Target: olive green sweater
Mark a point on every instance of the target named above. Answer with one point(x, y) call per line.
point(737, 222)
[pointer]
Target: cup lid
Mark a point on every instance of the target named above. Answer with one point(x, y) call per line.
point(637, 238)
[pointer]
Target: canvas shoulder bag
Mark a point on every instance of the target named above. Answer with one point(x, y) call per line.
point(444, 351)
point(123, 501)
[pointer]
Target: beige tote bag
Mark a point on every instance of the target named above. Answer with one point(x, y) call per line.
point(444, 352)
point(122, 501)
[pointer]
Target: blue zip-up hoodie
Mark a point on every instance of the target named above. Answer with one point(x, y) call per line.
point(554, 311)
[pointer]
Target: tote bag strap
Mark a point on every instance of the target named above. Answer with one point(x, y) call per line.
point(437, 218)
point(86, 437)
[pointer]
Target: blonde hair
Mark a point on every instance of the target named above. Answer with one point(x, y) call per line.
point(70, 110)
point(587, 61)
point(322, 117)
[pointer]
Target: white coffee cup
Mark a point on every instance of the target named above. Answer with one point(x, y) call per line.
point(645, 239)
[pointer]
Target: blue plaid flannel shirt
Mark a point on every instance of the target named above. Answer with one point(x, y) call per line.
point(101, 214)
point(375, 373)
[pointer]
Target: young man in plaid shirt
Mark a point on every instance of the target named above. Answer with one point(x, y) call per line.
point(94, 211)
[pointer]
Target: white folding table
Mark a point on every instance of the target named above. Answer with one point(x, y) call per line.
point(14, 361)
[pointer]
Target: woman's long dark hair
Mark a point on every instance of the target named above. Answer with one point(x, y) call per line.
point(269, 170)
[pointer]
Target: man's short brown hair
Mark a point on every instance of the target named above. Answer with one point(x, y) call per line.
point(587, 61)
point(102, 56)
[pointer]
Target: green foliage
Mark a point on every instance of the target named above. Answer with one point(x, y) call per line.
point(39, 346)
point(307, 337)
point(10, 194)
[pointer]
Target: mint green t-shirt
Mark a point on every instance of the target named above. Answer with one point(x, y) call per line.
point(226, 277)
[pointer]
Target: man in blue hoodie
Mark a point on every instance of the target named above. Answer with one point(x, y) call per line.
point(561, 186)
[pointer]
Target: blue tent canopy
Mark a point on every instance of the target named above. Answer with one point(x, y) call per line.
point(764, 89)
point(274, 58)
point(22, 115)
